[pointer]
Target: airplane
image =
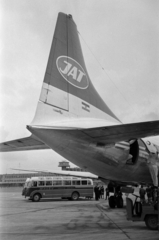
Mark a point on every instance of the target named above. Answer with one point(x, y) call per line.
point(72, 119)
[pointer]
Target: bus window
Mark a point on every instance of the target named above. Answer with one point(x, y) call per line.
point(84, 182)
point(57, 182)
point(76, 182)
point(48, 183)
point(66, 182)
point(89, 182)
point(35, 184)
point(41, 183)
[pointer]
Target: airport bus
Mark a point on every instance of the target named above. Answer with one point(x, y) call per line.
point(54, 187)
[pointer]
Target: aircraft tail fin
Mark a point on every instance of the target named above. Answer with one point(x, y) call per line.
point(67, 91)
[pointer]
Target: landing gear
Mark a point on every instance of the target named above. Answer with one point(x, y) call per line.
point(119, 202)
point(112, 202)
point(116, 201)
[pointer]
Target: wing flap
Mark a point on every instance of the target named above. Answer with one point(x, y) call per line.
point(22, 144)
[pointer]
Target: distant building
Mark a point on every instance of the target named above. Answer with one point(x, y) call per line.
point(66, 167)
point(18, 179)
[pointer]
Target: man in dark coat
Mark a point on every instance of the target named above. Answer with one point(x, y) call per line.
point(96, 191)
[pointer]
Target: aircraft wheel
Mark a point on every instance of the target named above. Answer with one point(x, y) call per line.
point(151, 222)
point(75, 196)
point(36, 197)
point(119, 203)
point(112, 202)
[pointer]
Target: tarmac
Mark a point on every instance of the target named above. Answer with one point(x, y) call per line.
point(56, 219)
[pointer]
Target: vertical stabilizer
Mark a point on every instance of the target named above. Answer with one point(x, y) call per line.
point(67, 91)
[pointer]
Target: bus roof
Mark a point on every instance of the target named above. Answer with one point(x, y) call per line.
point(56, 178)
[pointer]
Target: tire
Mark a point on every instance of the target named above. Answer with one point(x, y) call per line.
point(112, 202)
point(36, 197)
point(75, 196)
point(119, 202)
point(151, 222)
point(156, 206)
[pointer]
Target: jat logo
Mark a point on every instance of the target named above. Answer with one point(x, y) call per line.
point(72, 72)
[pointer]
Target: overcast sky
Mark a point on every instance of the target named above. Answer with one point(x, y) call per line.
point(120, 46)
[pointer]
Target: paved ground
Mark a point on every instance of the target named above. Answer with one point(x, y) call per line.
point(21, 219)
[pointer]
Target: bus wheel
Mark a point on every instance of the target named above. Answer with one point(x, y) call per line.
point(75, 196)
point(151, 222)
point(36, 197)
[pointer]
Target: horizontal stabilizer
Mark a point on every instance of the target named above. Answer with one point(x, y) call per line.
point(22, 144)
point(105, 135)
point(64, 173)
point(123, 132)
point(102, 135)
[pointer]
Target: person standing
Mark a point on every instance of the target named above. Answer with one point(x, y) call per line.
point(96, 191)
point(149, 194)
point(107, 193)
point(102, 192)
point(142, 194)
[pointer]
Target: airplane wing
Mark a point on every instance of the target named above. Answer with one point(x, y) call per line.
point(65, 173)
point(22, 144)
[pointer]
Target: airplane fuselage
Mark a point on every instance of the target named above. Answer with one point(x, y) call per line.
point(118, 162)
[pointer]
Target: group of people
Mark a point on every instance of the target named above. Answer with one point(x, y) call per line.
point(150, 192)
point(99, 192)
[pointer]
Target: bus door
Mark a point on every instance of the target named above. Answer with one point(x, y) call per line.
point(57, 190)
point(67, 188)
point(48, 189)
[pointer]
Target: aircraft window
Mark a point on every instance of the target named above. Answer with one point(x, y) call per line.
point(76, 182)
point(48, 183)
point(41, 183)
point(57, 182)
point(67, 182)
point(84, 182)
